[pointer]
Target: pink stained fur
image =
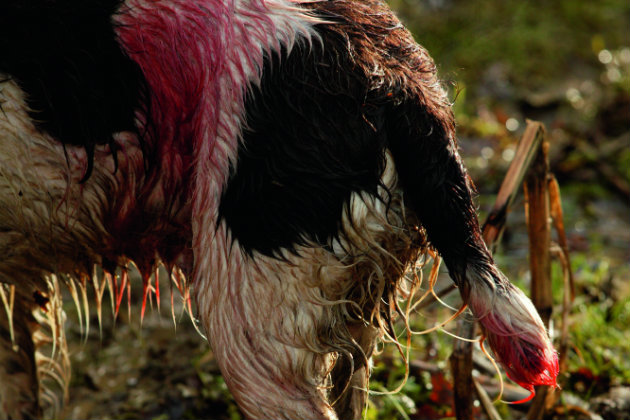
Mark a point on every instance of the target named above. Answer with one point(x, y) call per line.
point(185, 50)
point(514, 330)
point(193, 120)
point(198, 57)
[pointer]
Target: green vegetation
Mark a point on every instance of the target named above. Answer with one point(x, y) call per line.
point(540, 42)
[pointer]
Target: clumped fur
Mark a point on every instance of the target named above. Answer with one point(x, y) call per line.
point(292, 159)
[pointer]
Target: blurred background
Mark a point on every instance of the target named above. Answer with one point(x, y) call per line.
point(565, 63)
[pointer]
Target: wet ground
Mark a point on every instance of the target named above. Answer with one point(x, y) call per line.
point(154, 371)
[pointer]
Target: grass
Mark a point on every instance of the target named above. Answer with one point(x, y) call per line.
point(600, 324)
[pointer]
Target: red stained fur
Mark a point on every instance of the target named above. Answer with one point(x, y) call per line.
point(528, 361)
point(516, 334)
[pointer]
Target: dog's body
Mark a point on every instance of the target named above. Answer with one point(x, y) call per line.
point(287, 156)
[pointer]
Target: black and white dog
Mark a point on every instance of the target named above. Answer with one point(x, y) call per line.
point(291, 158)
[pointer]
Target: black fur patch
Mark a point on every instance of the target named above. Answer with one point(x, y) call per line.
point(436, 184)
point(311, 140)
point(316, 132)
point(80, 86)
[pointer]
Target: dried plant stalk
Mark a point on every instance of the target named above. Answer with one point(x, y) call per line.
point(461, 367)
point(538, 214)
point(526, 155)
point(486, 403)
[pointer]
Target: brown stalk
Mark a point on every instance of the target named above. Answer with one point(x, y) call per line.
point(527, 152)
point(538, 215)
point(486, 402)
point(561, 252)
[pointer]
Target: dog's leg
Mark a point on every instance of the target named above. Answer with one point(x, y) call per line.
point(19, 387)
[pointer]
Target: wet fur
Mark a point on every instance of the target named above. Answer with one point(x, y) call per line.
point(293, 159)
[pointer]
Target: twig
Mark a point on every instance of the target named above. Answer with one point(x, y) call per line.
point(561, 252)
point(558, 222)
point(461, 358)
point(567, 304)
point(523, 158)
point(538, 214)
point(486, 403)
point(461, 366)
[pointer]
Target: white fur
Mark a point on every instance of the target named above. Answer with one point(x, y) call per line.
point(268, 318)
point(48, 224)
point(259, 313)
point(46, 219)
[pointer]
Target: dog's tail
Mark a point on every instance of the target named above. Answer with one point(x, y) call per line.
point(437, 188)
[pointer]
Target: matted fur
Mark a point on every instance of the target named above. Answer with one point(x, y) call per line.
point(49, 224)
point(513, 329)
point(285, 323)
point(278, 325)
